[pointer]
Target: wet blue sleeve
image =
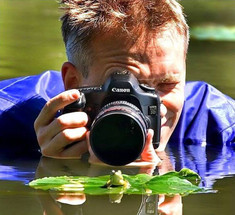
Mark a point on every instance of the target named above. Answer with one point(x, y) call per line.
point(208, 116)
point(21, 100)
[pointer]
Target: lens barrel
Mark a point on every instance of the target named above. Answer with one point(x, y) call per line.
point(118, 133)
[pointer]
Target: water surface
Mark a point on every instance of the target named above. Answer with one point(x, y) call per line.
point(216, 168)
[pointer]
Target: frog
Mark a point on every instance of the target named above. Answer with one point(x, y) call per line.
point(116, 180)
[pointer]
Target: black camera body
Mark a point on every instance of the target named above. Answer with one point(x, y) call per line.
point(120, 111)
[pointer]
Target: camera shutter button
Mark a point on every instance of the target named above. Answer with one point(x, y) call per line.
point(146, 87)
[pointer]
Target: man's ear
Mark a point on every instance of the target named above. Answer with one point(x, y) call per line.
point(71, 76)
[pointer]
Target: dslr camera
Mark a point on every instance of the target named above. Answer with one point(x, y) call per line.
point(120, 112)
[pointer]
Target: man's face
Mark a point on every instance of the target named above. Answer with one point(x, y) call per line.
point(158, 61)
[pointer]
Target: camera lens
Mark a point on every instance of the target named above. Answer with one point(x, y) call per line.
point(118, 133)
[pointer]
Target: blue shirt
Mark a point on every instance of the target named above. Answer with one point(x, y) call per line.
point(208, 116)
point(207, 122)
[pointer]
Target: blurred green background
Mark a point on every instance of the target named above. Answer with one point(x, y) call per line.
point(31, 42)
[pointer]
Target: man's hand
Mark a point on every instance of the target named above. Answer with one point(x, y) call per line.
point(65, 136)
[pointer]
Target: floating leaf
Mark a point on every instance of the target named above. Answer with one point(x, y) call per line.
point(170, 183)
point(185, 173)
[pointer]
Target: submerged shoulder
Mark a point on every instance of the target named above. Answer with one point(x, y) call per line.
point(208, 115)
point(21, 100)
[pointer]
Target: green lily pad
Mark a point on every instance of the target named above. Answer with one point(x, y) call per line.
point(182, 182)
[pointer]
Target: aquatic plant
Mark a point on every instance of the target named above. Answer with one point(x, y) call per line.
point(183, 182)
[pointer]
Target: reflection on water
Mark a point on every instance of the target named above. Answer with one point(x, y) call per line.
point(215, 165)
point(211, 162)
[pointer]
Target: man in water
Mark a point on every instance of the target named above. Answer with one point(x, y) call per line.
point(149, 38)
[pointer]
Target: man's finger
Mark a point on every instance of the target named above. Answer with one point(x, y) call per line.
point(149, 153)
point(50, 109)
point(62, 140)
point(75, 151)
point(66, 121)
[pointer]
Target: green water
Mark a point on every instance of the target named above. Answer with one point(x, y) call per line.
point(30, 37)
point(30, 40)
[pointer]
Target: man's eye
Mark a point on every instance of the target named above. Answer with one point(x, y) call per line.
point(166, 87)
